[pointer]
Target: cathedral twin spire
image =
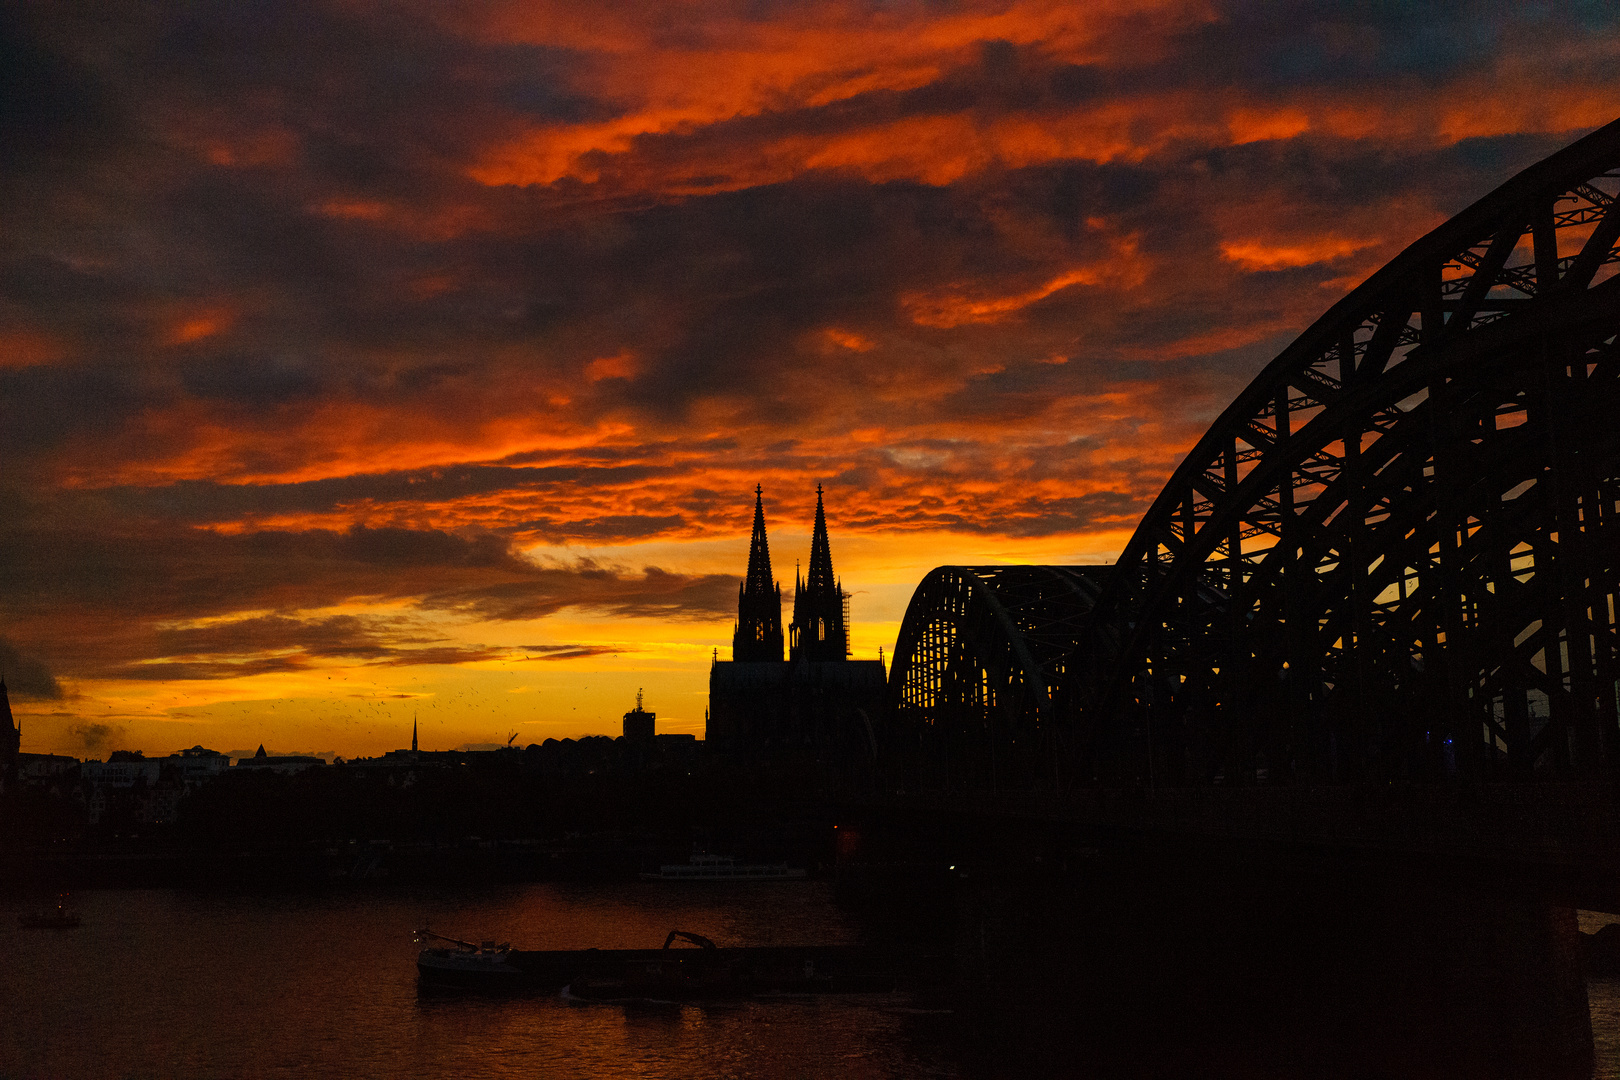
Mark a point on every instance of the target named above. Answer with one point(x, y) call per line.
point(758, 633)
point(819, 630)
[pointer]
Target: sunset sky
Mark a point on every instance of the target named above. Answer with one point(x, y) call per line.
point(361, 361)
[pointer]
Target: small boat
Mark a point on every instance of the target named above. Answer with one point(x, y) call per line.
point(705, 867)
point(57, 918)
point(465, 963)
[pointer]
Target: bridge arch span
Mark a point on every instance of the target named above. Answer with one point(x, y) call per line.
point(1396, 555)
point(980, 658)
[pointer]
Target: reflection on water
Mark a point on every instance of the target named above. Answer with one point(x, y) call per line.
point(163, 983)
point(166, 983)
point(1603, 995)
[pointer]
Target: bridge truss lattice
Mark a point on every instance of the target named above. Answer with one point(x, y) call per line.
point(980, 664)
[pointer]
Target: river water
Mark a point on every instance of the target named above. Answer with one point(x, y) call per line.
point(167, 983)
point(172, 983)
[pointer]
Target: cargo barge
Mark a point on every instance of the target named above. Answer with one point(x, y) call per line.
point(700, 970)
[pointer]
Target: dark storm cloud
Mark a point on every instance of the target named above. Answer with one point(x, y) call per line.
point(1293, 46)
point(94, 737)
point(178, 573)
point(192, 574)
point(205, 502)
point(274, 644)
point(1022, 518)
point(348, 636)
point(654, 593)
point(51, 109)
point(26, 677)
point(570, 652)
point(160, 585)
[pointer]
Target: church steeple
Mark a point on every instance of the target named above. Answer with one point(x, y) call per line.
point(758, 633)
point(821, 571)
point(413, 734)
point(820, 630)
point(759, 549)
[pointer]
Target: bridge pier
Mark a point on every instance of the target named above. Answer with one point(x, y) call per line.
point(1335, 970)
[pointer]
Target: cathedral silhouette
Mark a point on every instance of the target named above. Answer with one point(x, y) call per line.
point(818, 702)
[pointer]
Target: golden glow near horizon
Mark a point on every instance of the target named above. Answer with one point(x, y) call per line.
point(432, 375)
point(353, 710)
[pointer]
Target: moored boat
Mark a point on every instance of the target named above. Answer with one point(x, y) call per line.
point(464, 963)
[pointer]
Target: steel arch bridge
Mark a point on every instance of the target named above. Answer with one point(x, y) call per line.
point(1394, 556)
point(980, 664)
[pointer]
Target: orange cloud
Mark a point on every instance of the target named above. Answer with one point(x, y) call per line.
point(427, 221)
point(355, 209)
point(697, 121)
point(727, 66)
point(619, 366)
point(959, 306)
point(26, 348)
point(431, 285)
point(199, 325)
point(849, 340)
point(1255, 254)
point(635, 153)
point(1254, 125)
point(271, 146)
point(954, 308)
